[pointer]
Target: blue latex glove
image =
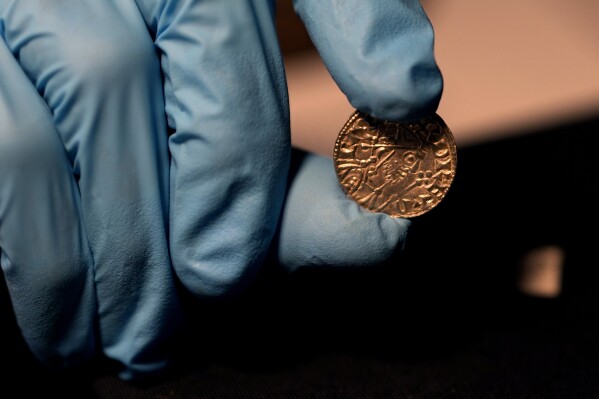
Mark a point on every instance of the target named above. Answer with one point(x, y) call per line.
point(84, 183)
point(226, 105)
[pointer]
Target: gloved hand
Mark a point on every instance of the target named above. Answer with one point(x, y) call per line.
point(226, 102)
point(84, 183)
point(84, 189)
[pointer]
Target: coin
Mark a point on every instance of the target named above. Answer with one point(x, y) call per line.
point(403, 169)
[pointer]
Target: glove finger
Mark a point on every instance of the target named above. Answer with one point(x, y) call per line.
point(44, 255)
point(227, 105)
point(380, 53)
point(96, 67)
point(322, 227)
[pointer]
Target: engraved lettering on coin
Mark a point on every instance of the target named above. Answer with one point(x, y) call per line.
point(403, 169)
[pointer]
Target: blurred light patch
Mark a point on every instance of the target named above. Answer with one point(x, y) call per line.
point(541, 272)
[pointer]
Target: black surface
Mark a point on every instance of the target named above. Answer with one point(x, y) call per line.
point(440, 320)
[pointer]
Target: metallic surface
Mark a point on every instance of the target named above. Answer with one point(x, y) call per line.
point(403, 169)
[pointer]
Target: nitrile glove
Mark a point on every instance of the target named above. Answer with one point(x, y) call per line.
point(84, 183)
point(227, 106)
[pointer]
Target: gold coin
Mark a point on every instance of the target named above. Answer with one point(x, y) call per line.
point(403, 169)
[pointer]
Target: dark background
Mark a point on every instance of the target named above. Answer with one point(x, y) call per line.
point(441, 319)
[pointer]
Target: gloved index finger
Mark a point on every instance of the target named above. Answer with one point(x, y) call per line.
point(226, 103)
point(380, 53)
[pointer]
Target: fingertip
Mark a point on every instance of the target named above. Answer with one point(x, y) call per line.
point(221, 268)
point(321, 226)
point(407, 92)
point(381, 54)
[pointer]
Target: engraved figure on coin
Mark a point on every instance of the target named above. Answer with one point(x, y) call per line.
point(398, 168)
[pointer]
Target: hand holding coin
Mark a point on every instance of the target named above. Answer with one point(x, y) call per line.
point(403, 169)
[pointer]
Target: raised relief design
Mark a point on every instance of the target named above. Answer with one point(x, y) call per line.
point(401, 169)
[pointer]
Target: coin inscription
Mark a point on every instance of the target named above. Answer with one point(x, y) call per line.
point(403, 169)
